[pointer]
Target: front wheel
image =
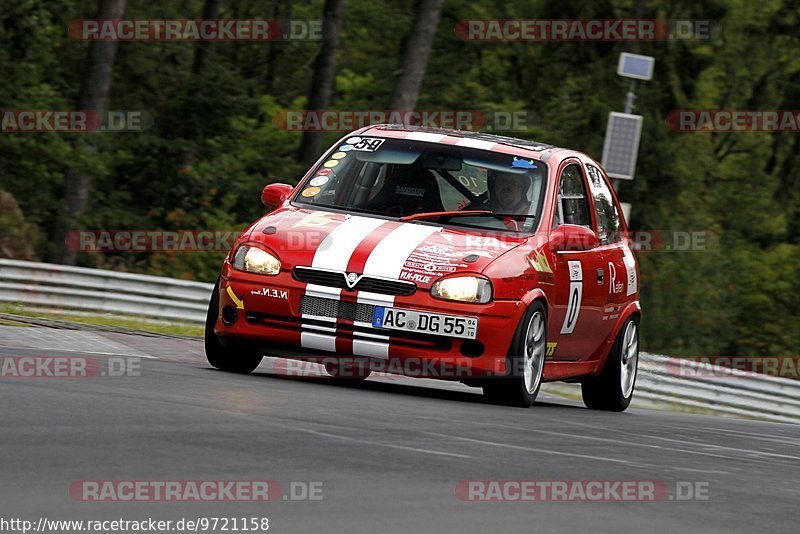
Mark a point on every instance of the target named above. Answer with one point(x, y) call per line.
point(527, 356)
point(612, 390)
point(233, 359)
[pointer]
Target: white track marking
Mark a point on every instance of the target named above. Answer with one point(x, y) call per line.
point(389, 445)
point(533, 449)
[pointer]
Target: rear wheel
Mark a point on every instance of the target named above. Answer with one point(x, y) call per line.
point(613, 389)
point(526, 358)
point(233, 358)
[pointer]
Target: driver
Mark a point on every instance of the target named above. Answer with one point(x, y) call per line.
point(508, 192)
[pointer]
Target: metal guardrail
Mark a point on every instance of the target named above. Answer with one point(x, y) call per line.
point(682, 384)
point(78, 288)
point(700, 385)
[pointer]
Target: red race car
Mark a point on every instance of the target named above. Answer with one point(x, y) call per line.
point(495, 261)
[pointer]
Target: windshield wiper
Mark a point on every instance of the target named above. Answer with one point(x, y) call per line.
point(512, 215)
point(462, 213)
point(439, 214)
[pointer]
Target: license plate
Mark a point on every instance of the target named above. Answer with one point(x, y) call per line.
point(425, 323)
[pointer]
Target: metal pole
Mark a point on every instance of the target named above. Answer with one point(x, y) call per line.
point(629, 98)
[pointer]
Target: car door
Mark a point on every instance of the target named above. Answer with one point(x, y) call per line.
point(622, 284)
point(580, 292)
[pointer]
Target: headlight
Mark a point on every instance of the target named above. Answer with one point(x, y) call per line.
point(463, 288)
point(256, 260)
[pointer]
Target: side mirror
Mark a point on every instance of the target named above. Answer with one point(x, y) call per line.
point(275, 194)
point(572, 237)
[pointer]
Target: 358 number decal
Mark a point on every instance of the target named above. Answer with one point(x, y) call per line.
point(366, 144)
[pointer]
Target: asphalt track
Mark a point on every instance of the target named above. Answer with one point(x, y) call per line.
point(389, 453)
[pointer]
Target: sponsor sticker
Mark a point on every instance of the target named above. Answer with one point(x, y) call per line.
point(311, 191)
point(410, 191)
point(271, 292)
point(316, 219)
point(339, 155)
point(367, 144)
point(346, 148)
point(331, 163)
point(630, 271)
point(539, 262)
point(318, 181)
point(520, 163)
point(575, 271)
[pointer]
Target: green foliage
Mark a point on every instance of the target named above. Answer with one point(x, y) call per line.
point(16, 234)
point(214, 140)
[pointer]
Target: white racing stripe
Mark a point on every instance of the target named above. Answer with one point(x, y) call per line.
point(335, 250)
point(389, 256)
point(334, 253)
point(425, 136)
point(311, 340)
point(372, 349)
point(476, 143)
point(387, 260)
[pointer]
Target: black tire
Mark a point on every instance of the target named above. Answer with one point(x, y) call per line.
point(232, 358)
point(512, 390)
point(606, 392)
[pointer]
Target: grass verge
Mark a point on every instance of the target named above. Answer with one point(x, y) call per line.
point(133, 323)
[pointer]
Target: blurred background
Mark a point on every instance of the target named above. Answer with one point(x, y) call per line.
point(214, 133)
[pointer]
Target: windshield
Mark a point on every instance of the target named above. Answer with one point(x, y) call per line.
point(405, 179)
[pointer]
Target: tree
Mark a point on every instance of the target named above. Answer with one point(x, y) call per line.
point(319, 95)
point(93, 94)
point(210, 12)
point(415, 57)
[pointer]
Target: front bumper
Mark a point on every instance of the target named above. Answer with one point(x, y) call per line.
point(269, 315)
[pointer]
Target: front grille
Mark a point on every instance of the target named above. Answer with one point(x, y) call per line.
point(338, 279)
point(322, 307)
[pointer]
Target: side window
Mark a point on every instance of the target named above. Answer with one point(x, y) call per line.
point(573, 204)
point(608, 228)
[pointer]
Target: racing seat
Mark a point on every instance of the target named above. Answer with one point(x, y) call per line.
point(408, 190)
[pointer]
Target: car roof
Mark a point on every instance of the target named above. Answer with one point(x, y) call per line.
point(498, 143)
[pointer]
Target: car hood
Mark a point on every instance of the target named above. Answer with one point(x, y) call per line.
point(415, 251)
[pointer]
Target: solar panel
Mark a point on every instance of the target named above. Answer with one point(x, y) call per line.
point(635, 66)
point(622, 145)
